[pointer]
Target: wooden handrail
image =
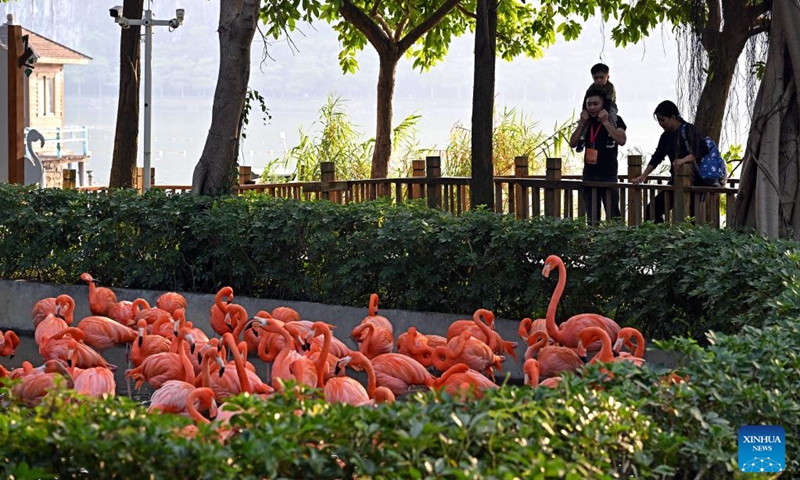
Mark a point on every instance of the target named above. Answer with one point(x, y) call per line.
point(522, 195)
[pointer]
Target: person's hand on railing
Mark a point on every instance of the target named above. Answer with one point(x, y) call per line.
point(640, 179)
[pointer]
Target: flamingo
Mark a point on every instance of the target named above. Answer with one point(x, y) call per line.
point(531, 369)
point(146, 345)
point(417, 346)
point(569, 331)
point(101, 299)
point(400, 373)
point(51, 325)
point(285, 314)
point(482, 328)
point(219, 320)
point(348, 390)
point(232, 383)
point(171, 301)
point(528, 326)
point(175, 396)
point(606, 354)
point(61, 306)
point(59, 346)
point(143, 311)
point(463, 381)
point(624, 338)
point(159, 368)
point(372, 340)
point(325, 362)
point(552, 359)
point(123, 313)
point(102, 333)
point(289, 364)
point(237, 316)
point(39, 382)
point(374, 318)
point(97, 382)
point(9, 342)
point(465, 349)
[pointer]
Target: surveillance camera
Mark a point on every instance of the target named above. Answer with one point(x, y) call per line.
point(179, 13)
point(115, 12)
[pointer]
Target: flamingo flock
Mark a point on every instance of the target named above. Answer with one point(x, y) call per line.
point(191, 374)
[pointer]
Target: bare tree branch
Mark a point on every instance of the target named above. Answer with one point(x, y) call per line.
point(398, 33)
point(375, 35)
point(466, 12)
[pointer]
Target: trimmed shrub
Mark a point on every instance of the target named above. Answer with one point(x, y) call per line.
point(665, 281)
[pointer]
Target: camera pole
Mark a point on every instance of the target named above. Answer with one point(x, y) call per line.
point(147, 22)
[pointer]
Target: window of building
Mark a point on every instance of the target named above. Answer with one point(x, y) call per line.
point(47, 96)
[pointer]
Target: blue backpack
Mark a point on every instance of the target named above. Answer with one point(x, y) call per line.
point(712, 166)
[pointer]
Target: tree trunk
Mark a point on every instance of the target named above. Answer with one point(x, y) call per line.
point(714, 97)
point(383, 134)
point(730, 24)
point(768, 196)
point(126, 135)
point(215, 171)
point(482, 181)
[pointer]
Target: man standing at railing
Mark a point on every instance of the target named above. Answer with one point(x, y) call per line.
point(600, 157)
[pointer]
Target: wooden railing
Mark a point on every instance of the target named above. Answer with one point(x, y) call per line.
point(522, 195)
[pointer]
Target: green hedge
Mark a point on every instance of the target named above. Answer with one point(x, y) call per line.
point(666, 281)
point(634, 426)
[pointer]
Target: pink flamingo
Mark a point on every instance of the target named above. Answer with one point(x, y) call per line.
point(552, 359)
point(482, 328)
point(624, 338)
point(61, 306)
point(219, 320)
point(171, 301)
point(374, 318)
point(102, 333)
point(461, 381)
point(372, 340)
point(417, 346)
point(531, 369)
point(285, 314)
point(146, 345)
point(400, 373)
point(606, 354)
point(9, 342)
point(289, 364)
point(143, 311)
point(465, 349)
point(95, 382)
point(161, 367)
point(59, 346)
point(101, 299)
point(348, 390)
point(568, 333)
point(39, 382)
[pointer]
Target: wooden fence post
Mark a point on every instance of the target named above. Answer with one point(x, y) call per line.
point(68, 177)
point(520, 192)
point(683, 178)
point(139, 180)
point(245, 174)
point(634, 194)
point(328, 174)
point(552, 197)
point(434, 171)
point(417, 170)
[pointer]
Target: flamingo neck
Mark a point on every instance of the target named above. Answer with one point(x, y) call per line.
point(322, 361)
point(491, 340)
point(552, 328)
point(237, 360)
point(606, 354)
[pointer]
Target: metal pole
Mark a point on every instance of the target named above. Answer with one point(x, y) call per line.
point(148, 90)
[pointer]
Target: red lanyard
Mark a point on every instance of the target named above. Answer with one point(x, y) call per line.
point(593, 134)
